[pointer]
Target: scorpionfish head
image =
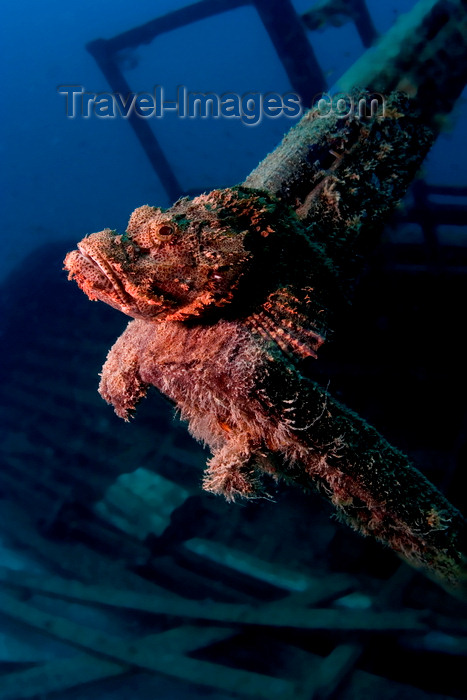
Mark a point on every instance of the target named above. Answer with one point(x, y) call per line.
point(172, 264)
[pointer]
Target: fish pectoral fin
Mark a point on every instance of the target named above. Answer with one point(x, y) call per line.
point(121, 384)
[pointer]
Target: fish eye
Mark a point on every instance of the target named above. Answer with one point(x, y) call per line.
point(162, 232)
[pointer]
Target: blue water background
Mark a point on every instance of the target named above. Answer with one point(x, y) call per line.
point(63, 178)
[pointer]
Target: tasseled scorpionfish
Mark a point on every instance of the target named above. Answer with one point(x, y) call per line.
point(233, 290)
point(229, 295)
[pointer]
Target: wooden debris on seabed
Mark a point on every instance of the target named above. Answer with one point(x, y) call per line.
point(83, 669)
point(269, 572)
point(69, 558)
point(165, 652)
point(113, 585)
point(340, 663)
point(87, 564)
point(141, 503)
point(228, 613)
point(154, 654)
point(333, 669)
point(15, 650)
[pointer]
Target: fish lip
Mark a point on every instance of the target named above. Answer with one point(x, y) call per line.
point(106, 269)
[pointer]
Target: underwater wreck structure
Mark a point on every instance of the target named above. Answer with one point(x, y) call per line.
point(232, 290)
point(256, 599)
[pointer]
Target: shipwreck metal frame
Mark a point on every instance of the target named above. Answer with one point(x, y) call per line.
point(306, 77)
point(292, 47)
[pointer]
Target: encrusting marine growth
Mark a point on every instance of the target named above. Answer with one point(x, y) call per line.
point(231, 290)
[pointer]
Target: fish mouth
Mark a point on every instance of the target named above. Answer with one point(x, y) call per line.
point(105, 268)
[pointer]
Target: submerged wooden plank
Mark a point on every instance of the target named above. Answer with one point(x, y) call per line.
point(15, 649)
point(157, 656)
point(74, 559)
point(78, 561)
point(230, 613)
point(58, 675)
point(63, 674)
point(248, 565)
point(296, 582)
point(339, 665)
point(334, 669)
point(141, 502)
